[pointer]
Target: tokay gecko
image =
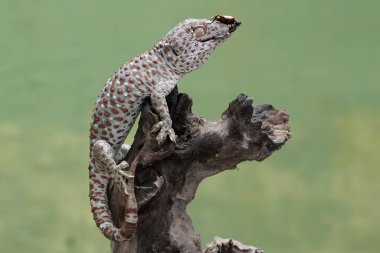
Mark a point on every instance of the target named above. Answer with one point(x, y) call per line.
point(151, 75)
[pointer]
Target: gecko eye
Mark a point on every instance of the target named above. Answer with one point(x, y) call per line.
point(199, 31)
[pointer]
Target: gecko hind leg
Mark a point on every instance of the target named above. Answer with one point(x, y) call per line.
point(104, 156)
point(123, 165)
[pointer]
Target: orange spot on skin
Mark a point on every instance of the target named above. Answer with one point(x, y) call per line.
point(137, 74)
point(96, 119)
point(132, 210)
point(96, 181)
point(141, 90)
point(140, 81)
point(114, 111)
point(120, 100)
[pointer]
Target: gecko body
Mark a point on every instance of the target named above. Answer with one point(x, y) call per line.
point(153, 74)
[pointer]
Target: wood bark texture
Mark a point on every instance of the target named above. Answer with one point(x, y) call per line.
point(167, 176)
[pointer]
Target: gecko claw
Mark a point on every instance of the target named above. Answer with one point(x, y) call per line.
point(157, 127)
point(164, 130)
point(161, 137)
point(172, 135)
point(122, 165)
point(120, 176)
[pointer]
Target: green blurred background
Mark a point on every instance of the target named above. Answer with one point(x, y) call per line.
point(318, 59)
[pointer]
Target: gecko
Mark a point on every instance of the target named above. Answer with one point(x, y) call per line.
point(152, 75)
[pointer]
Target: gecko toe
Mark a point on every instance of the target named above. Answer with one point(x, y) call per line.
point(157, 127)
point(124, 165)
point(172, 135)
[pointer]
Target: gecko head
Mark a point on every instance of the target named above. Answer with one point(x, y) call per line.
point(191, 42)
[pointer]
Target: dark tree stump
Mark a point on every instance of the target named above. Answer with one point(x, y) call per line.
point(168, 176)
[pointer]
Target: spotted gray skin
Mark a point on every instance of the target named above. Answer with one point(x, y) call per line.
point(153, 74)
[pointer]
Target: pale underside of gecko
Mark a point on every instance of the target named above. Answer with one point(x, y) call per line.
point(153, 74)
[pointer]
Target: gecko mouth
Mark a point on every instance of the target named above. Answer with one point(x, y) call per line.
point(230, 21)
point(212, 37)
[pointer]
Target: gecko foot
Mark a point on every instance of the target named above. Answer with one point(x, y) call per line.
point(121, 176)
point(165, 130)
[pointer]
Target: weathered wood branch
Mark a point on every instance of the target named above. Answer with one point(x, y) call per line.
point(168, 176)
point(220, 245)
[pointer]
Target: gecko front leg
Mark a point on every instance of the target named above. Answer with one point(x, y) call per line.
point(165, 125)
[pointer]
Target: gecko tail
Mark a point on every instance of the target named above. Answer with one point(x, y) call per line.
point(101, 211)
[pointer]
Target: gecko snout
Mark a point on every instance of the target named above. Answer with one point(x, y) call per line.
point(230, 21)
